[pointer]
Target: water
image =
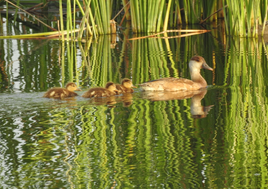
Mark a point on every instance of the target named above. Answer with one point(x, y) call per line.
point(215, 139)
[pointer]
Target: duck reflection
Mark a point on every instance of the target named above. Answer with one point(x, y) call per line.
point(66, 102)
point(127, 99)
point(197, 110)
point(110, 101)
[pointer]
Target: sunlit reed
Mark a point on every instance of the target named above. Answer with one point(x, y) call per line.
point(241, 18)
point(244, 18)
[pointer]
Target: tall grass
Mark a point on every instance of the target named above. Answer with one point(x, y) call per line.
point(242, 18)
point(146, 17)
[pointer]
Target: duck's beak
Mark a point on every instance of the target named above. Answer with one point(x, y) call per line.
point(205, 66)
point(133, 86)
point(77, 89)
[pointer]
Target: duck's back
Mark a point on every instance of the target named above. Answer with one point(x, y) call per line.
point(97, 92)
point(122, 89)
point(170, 84)
point(59, 93)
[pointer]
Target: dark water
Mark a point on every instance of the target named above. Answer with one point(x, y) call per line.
point(216, 139)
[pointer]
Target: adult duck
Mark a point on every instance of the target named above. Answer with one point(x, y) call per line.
point(125, 87)
point(58, 92)
point(109, 90)
point(176, 84)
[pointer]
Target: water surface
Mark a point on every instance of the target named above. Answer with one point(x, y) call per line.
point(214, 139)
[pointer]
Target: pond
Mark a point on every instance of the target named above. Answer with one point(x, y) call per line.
point(215, 139)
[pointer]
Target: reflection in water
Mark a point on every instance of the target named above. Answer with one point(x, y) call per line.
point(197, 110)
point(109, 100)
point(125, 98)
point(47, 143)
point(70, 102)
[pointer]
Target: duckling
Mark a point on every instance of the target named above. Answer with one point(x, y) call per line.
point(109, 90)
point(58, 92)
point(177, 84)
point(125, 87)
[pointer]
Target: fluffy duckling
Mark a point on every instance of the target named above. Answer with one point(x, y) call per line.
point(58, 92)
point(109, 90)
point(125, 87)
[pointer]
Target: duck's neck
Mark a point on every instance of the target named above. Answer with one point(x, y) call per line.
point(197, 77)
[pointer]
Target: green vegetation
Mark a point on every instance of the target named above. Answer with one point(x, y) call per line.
point(88, 145)
point(77, 144)
point(242, 18)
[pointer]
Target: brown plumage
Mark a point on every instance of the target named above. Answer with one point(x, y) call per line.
point(125, 87)
point(109, 90)
point(58, 92)
point(169, 95)
point(176, 84)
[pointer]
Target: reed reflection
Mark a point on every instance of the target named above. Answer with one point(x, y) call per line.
point(197, 110)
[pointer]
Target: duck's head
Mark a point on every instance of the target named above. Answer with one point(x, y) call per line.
point(111, 87)
point(127, 83)
point(197, 63)
point(72, 87)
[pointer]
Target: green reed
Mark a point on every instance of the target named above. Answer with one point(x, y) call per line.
point(100, 22)
point(242, 18)
point(246, 18)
